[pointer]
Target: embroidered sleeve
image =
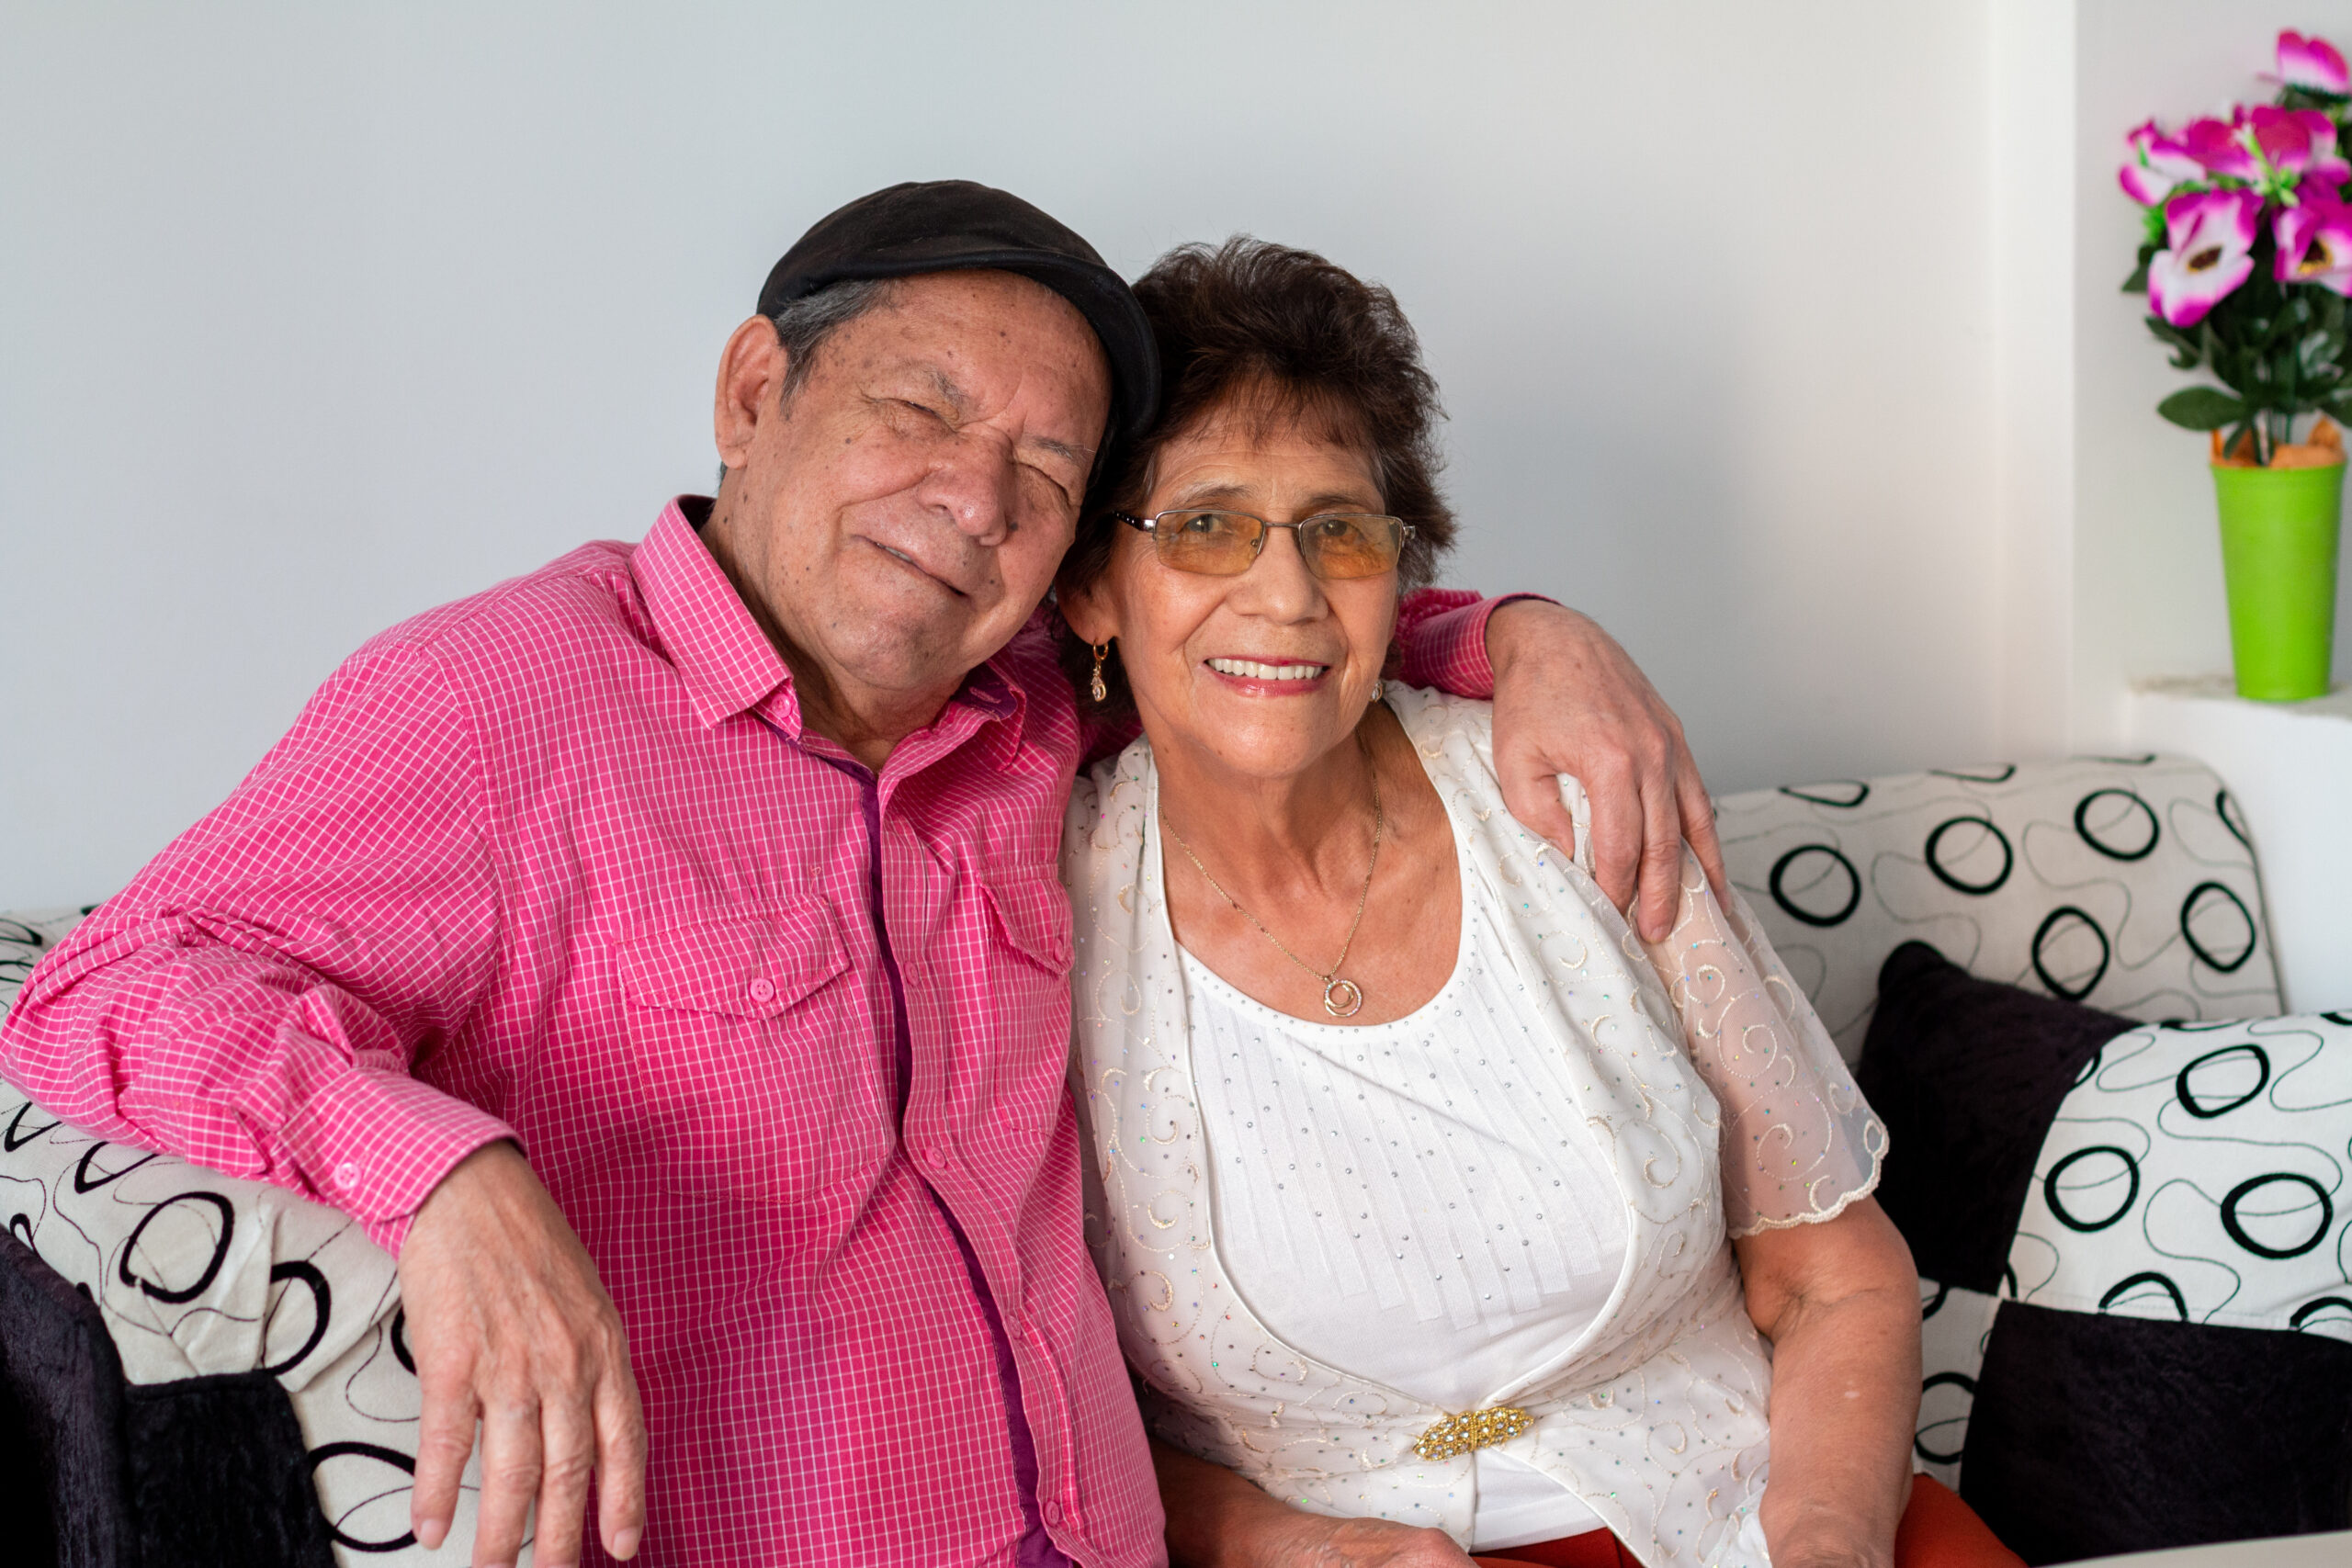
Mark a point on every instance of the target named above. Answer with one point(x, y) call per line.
point(1799, 1140)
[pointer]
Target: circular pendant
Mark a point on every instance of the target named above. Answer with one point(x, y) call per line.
point(1341, 998)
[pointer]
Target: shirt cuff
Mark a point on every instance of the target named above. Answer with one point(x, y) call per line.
point(374, 1143)
point(1441, 639)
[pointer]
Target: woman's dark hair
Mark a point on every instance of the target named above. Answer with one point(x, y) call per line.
point(1302, 339)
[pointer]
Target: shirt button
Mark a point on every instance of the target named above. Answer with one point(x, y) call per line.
point(935, 1157)
point(764, 989)
point(347, 1175)
point(1053, 1512)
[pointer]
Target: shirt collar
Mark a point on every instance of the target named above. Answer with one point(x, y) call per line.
point(726, 660)
point(997, 697)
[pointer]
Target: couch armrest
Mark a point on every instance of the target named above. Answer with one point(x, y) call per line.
point(196, 1273)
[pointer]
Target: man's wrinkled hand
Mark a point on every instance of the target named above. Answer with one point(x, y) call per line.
point(510, 1327)
point(1567, 699)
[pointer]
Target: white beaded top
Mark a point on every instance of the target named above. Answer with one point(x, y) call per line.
point(1714, 1097)
point(1419, 1202)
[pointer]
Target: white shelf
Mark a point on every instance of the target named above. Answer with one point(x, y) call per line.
point(2289, 764)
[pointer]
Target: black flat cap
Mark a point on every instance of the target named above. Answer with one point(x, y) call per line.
point(957, 226)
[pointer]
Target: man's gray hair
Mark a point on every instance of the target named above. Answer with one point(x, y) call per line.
point(803, 325)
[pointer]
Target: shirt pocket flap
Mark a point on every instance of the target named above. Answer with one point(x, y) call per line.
point(746, 967)
point(1033, 913)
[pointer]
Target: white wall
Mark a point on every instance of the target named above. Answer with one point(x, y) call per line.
point(2147, 596)
point(311, 317)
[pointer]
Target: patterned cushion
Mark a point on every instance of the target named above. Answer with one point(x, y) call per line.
point(2138, 1309)
point(2125, 883)
point(197, 1273)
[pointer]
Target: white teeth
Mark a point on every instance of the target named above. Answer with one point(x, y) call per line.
point(1249, 668)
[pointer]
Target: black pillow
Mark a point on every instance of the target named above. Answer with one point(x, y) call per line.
point(1966, 1074)
point(2133, 1242)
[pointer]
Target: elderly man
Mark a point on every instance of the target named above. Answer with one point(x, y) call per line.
point(717, 872)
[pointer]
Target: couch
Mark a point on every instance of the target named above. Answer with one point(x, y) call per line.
point(229, 1351)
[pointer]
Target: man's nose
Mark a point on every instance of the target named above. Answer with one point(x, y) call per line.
point(974, 483)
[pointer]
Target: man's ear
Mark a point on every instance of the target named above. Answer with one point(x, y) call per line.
point(750, 388)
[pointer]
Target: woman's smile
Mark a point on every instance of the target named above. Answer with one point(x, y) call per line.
point(1268, 677)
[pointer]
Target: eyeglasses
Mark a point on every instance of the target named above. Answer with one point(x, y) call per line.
point(1217, 543)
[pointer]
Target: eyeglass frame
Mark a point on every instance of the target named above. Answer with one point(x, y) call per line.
point(1150, 527)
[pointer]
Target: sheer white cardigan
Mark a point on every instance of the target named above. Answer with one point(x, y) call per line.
point(1656, 1415)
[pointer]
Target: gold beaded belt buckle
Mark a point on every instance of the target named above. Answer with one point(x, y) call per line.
point(1474, 1430)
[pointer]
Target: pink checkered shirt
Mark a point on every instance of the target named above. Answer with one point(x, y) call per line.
point(559, 863)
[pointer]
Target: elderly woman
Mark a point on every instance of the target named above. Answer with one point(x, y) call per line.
point(1440, 1212)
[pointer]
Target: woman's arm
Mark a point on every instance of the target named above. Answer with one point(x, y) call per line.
point(1215, 1519)
point(1840, 1301)
point(1837, 1296)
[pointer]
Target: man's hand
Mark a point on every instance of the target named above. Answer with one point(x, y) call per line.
point(1567, 699)
point(510, 1327)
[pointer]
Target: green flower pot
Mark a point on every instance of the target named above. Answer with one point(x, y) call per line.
point(2280, 528)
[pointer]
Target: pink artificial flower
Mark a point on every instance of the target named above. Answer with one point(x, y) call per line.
point(2325, 170)
point(2323, 129)
point(2283, 137)
point(2311, 63)
point(2158, 163)
point(2315, 244)
point(2215, 144)
point(2211, 234)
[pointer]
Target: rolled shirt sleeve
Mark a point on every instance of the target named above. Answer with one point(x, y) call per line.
point(1441, 639)
point(256, 1000)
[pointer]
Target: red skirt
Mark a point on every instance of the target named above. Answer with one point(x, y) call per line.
point(1938, 1530)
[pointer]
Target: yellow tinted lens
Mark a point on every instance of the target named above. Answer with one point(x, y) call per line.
point(1350, 546)
point(1221, 544)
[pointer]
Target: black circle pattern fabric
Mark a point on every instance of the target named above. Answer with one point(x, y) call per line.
point(1815, 883)
point(1949, 863)
point(2118, 824)
point(2070, 952)
point(2198, 1175)
point(2127, 884)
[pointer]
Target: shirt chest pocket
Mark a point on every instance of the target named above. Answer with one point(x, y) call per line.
point(1017, 1018)
point(1031, 916)
point(753, 1058)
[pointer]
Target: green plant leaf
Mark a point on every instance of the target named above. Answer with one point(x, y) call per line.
point(2138, 282)
point(2202, 408)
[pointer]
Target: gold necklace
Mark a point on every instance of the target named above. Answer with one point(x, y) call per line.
point(1341, 998)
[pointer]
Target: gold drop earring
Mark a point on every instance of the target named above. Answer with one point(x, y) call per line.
point(1098, 691)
